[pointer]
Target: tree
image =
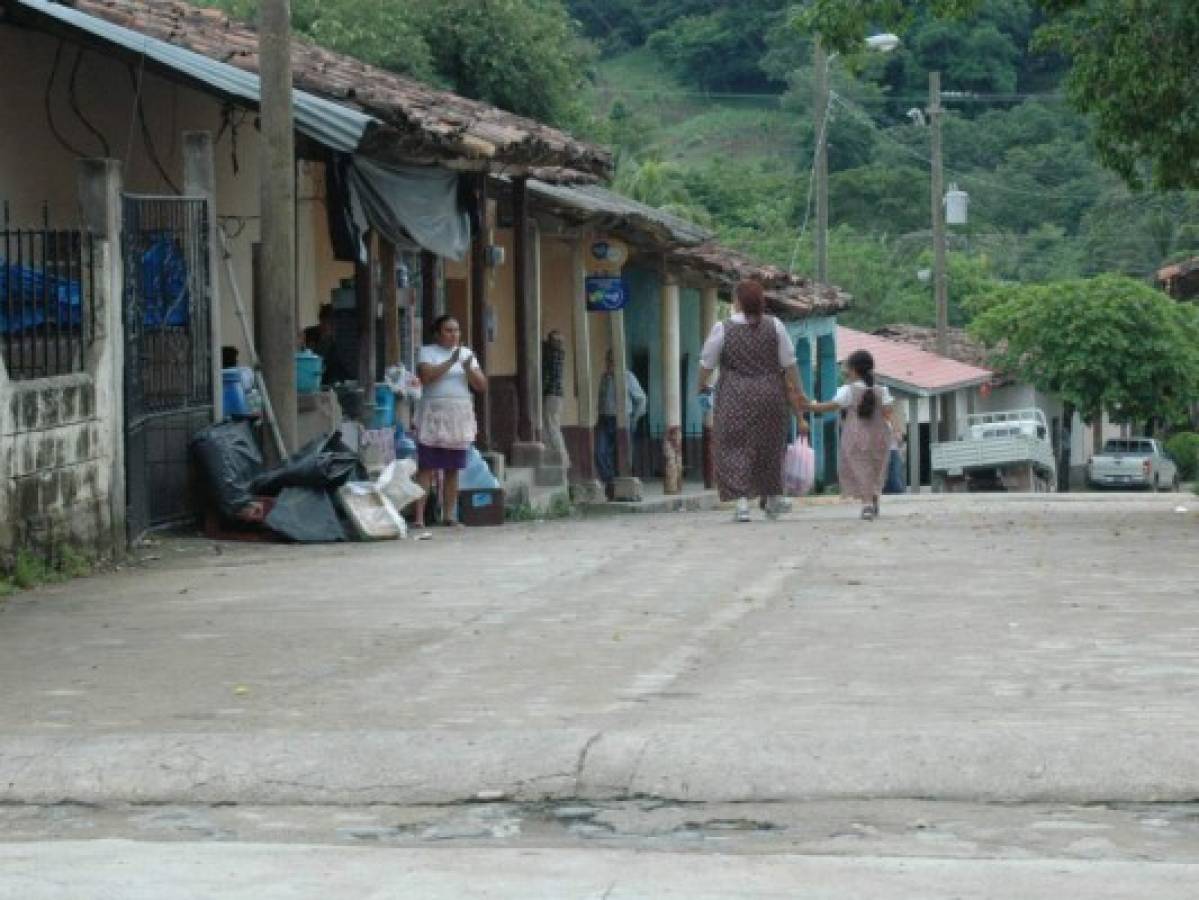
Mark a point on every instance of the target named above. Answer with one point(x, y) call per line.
point(384, 33)
point(522, 55)
point(1107, 343)
point(1131, 68)
point(661, 185)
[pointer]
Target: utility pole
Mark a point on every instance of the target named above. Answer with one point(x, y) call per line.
point(820, 67)
point(938, 210)
point(278, 211)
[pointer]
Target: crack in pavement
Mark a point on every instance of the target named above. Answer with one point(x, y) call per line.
point(579, 766)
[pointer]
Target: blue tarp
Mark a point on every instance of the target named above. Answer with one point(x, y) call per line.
point(164, 288)
point(164, 284)
point(29, 304)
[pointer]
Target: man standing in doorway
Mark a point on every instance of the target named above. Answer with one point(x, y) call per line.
point(553, 364)
point(606, 427)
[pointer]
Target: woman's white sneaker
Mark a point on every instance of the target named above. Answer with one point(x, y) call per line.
point(742, 514)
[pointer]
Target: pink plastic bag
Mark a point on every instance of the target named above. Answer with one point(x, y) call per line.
point(799, 468)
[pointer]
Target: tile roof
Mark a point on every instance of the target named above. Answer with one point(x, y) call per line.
point(962, 347)
point(1180, 280)
point(910, 368)
point(687, 246)
point(788, 296)
point(420, 124)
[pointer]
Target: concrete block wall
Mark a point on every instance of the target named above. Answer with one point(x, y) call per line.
point(56, 458)
point(60, 454)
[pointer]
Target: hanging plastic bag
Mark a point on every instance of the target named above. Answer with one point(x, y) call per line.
point(799, 468)
point(477, 476)
point(403, 383)
point(396, 484)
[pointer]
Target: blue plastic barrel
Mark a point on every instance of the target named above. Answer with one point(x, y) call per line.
point(308, 372)
point(385, 407)
point(233, 393)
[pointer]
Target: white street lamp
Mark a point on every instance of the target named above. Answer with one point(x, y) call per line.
point(882, 43)
point(877, 43)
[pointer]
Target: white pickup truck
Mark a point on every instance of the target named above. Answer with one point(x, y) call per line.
point(999, 451)
point(1133, 463)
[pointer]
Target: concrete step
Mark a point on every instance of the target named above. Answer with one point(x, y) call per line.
point(695, 500)
point(528, 487)
point(552, 476)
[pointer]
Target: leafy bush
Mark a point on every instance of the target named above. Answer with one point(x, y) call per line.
point(1184, 448)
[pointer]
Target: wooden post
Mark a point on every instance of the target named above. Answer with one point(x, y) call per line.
point(938, 211)
point(527, 369)
point(709, 304)
point(672, 389)
point(934, 435)
point(389, 296)
point(582, 357)
point(367, 311)
point(479, 283)
point(278, 210)
point(914, 445)
point(620, 366)
point(533, 332)
point(820, 67)
point(428, 294)
point(199, 180)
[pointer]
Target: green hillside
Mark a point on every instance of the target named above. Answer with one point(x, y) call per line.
point(703, 137)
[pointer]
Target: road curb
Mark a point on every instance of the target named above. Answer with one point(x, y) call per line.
point(683, 764)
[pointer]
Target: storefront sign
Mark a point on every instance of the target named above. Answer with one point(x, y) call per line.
point(608, 256)
point(606, 294)
point(606, 289)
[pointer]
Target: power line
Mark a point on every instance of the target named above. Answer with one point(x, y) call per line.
point(960, 175)
point(885, 98)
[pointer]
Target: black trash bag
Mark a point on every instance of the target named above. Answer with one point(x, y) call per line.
point(326, 463)
point(230, 460)
point(307, 516)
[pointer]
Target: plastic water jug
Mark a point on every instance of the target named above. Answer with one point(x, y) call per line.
point(233, 393)
point(385, 407)
point(308, 372)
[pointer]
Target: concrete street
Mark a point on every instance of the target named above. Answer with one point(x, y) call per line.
point(999, 690)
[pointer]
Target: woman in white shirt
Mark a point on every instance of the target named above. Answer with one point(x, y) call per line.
point(445, 418)
point(865, 432)
point(758, 388)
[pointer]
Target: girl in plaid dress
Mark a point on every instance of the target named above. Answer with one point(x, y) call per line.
point(865, 432)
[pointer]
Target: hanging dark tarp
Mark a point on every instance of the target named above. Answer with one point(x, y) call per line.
point(414, 203)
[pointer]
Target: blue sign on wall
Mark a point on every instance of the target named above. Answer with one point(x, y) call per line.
point(606, 294)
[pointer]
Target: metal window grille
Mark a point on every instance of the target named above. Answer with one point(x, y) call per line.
point(47, 299)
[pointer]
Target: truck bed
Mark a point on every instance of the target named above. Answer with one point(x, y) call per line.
point(955, 458)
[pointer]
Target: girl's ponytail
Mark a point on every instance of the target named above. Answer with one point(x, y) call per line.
point(862, 363)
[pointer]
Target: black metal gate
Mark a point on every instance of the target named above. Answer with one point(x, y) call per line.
point(168, 354)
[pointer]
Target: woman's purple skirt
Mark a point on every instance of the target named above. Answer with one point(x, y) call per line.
point(439, 459)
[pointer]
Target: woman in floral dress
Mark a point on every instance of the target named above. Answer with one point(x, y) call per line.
point(756, 393)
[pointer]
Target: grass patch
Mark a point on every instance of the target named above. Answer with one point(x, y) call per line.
point(734, 131)
point(560, 508)
point(30, 570)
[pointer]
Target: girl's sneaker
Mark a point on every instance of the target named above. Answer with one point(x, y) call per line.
point(868, 513)
point(742, 514)
point(775, 507)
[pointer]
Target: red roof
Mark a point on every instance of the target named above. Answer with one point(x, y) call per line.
point(909, 368)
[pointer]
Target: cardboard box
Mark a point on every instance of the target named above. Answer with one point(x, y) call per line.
point(481, 507)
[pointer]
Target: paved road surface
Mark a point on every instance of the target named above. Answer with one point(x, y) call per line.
point(964, 651)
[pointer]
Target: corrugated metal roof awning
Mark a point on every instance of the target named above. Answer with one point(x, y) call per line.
point(333, 125)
